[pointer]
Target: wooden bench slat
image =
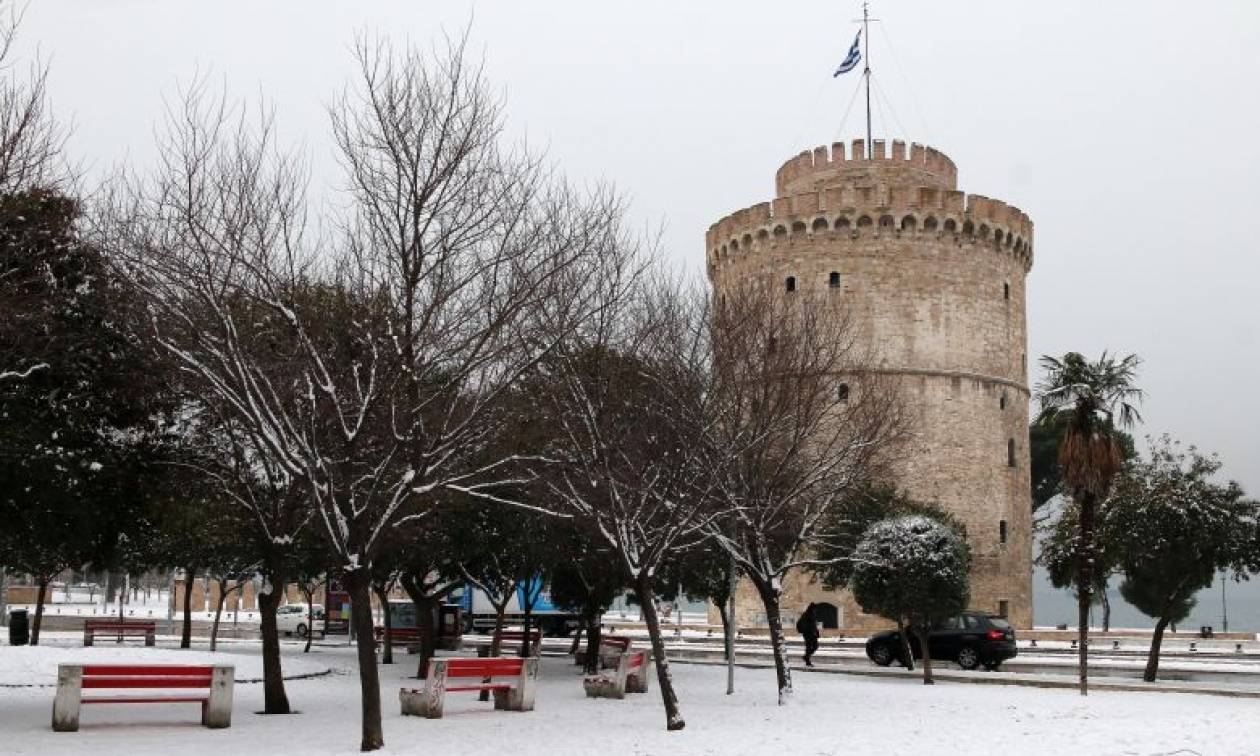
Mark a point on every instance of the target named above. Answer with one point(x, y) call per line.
point(461, 688)
point(96, 625)
point(137, 670)
point(146, 682)
point(144, 700)
point(116, 629)
point(508, 663)
point(483, 672)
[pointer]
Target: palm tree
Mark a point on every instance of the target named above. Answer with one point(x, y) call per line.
point(1096, 398)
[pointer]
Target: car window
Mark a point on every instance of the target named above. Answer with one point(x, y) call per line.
point(949, 624)
point(1000, 623)
point(973, 623)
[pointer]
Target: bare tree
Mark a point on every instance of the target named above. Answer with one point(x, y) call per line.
point(366, 365)
point(800, 420)
point(32, 157)
point(627, 398)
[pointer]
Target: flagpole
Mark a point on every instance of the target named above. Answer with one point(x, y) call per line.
point(866, 34)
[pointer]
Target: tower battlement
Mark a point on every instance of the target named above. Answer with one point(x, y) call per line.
point(823, 167)
point(859, 211)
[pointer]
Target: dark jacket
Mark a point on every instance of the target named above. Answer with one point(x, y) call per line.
point(807, 624)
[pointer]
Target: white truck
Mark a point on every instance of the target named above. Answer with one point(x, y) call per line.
point(479, 614)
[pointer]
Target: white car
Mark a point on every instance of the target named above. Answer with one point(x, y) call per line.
point(294, 619)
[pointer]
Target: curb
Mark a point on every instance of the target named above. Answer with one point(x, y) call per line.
point(997, 678)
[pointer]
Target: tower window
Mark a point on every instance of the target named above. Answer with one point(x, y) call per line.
point(790, 283)
point(1002, 531)
point(1006, 291)
point(1010, 452)
point(1004, 608)
point(1002, 401)
point(834, 280)
point(842, 393)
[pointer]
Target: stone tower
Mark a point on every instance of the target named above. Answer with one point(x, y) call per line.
point(936, 280)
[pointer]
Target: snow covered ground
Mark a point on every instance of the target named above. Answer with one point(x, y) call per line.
point(831, 714)
point(36, 666)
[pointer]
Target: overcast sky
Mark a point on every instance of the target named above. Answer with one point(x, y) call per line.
point(1128, 131)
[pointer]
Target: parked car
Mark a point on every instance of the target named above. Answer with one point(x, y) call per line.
point(971, 639)
point(293, 619)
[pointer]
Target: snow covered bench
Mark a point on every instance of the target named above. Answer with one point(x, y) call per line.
point(517, 695)
point(631, 676)
point(120, 629)
point(212, 686)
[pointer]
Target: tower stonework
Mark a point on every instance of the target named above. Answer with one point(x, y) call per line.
point(933, 281)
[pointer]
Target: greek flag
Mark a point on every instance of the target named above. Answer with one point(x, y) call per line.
point(851, 60)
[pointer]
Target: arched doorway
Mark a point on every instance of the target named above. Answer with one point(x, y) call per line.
point(827, 615)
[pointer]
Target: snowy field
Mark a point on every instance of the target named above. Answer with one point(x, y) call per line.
point(831, 714)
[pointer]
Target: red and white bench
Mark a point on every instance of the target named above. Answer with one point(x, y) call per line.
point(510, 638)
point(398, 636)
point(213, 686)
point(633, 671)
point(517, 695)
point(611, 649)
point(119, 629)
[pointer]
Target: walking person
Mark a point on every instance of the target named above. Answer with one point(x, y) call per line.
point(807, 626)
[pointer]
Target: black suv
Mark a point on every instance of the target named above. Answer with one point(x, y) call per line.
point(971, 639)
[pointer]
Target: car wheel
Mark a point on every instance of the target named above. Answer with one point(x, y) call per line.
point(301, 631)
point(968, 658)
point(882, 655)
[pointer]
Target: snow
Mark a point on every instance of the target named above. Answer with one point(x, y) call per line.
point(829, 714)
point(37, 665)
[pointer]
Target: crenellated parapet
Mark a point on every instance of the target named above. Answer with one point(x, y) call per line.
point(823, 167)
point(855, 212)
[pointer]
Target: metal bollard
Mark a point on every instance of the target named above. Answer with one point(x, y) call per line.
point(1073, 643)
point(1032, 643)
point(1115, 645)
point(1238, 648)
point(1194, 646)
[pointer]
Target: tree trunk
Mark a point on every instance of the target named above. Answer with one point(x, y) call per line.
point(426, 610)
point(778, 644)
point(1152, 659)
point(907, 650)
point(529, 611)
point(728, 648)
point(728, 624)
point(275, 698)
point(310, 615)
point(39, 609)
point(387, 654)
point(594, 632)
point(1106, 607)
point(496, 642)
point(673, 717)
point(927, 655)
point(369, 680)
point(218, 613)
point(496, 638)
point(1085, 586)
point(577, 639)
point(185, 639)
